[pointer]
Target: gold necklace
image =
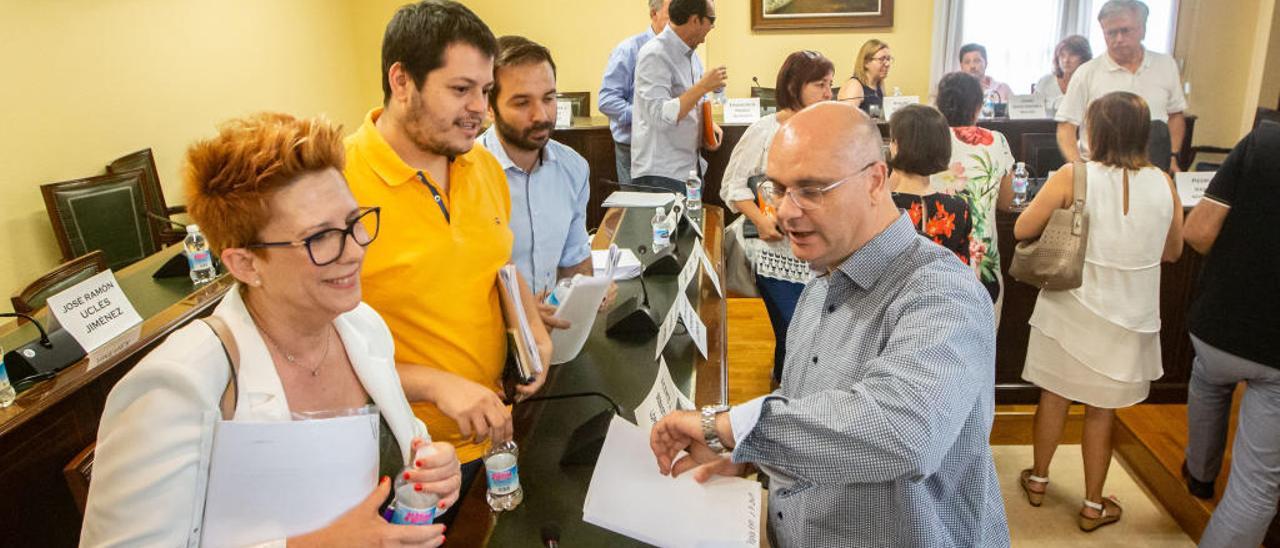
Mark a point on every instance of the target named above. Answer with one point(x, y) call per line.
point(315, 371)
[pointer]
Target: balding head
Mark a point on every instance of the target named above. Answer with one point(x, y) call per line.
point(831, 146)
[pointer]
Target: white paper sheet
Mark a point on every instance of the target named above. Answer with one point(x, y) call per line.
point(663, 398)
point(1191, 186)
point(1027, 107)
point(628, 496)
point(511, 283)
point(710, 269)
point(629, 265)
point(579, 307)
point(693, 324)
point(639, 199)
point(272, 480)
point(669, 324)
point(94, 311)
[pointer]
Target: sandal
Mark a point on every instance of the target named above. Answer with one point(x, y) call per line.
point(1110, 512)
point(1033, 497)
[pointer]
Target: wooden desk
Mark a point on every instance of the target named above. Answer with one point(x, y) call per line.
point(554, 493)
point(55, 419)
point(1178, 280)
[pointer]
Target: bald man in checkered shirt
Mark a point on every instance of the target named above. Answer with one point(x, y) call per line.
point(878, 433)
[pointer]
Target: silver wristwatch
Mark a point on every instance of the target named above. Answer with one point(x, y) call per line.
point(709, 433)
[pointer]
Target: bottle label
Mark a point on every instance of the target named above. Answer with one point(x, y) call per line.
point(661, 235)
point(693, 193)
point(405, 515)
point(503, 481)
point(1019, 185)
point(199, 259)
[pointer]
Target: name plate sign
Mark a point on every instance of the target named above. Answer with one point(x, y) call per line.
point(94, 311)
point(1191, 186)
point(564, 114)
point(1026, 107)
point(742, 111)
point(893, 103)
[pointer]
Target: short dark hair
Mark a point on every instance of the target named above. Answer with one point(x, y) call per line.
point(959, 96)
point(972, 47)
point(680, 11)
point(1119, 124)
point(800, 68)
point(516, 51)
point(419, 34)
point(924, 140)
point(1075, 45)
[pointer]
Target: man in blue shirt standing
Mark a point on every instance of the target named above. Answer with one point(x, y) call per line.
point(618, 86)
point(548, 180)
point(669, 89)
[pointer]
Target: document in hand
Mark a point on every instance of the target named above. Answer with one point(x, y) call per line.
point(580, 306)
point(518, 330)
point(628, 496)
point(273, 480)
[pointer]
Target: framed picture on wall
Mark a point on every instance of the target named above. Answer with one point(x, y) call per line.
point(820, 14)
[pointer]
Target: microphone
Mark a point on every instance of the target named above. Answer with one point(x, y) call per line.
point(756, 82)
point(633, 319)
point(551, 535)
point(42, 358)
point(166, 220)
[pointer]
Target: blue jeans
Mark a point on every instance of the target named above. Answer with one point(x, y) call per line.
point(780, 299)
point(1253, 487)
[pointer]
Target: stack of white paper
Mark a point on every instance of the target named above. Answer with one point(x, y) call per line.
point(511, 284)
point(628, 266)
point(638, 199)
point(628, 496)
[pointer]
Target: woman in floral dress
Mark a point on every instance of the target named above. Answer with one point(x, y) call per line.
point(981, 164)
point(919, 146)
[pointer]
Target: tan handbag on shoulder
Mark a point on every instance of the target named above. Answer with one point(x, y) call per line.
point(1055, 260)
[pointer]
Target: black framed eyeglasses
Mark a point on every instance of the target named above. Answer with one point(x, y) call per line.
point(326, 246)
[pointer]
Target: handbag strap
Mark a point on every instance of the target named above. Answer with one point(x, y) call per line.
point(227, 404)
point(1079, 190)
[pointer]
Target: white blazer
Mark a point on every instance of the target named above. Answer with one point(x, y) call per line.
point(148, 481)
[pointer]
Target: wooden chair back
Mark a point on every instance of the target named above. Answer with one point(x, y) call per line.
point(35, 294)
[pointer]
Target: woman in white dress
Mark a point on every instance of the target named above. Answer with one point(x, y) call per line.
point(1099, 344)
point(1070, 53)
point(804, 79)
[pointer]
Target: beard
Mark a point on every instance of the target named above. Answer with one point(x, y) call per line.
point(523, 139)
point(419, 128)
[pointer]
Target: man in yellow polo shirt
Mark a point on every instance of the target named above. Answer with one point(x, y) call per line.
point(445, 234)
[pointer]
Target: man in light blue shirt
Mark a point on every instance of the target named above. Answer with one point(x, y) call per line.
point(878, 434)
point(618, 86)
point(669, 88)
point(548, 180)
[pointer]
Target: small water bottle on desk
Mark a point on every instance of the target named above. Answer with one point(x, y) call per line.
point(199, 258)
point(693, 192)
point(503, 474)
point(1020, 180)
point(7, 393)
point(661, 233)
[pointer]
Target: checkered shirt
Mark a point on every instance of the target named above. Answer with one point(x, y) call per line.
point(879, 433)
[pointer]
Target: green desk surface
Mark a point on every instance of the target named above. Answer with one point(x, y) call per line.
point(624, 371)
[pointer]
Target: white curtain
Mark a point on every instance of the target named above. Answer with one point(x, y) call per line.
point(1075, 18)
point(948, 31)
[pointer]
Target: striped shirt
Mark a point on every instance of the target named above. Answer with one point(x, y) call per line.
point(878, 435)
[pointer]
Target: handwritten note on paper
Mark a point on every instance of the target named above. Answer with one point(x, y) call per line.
point(663, 398)
point(627, 495)
point(669, 324)
point(94, 311)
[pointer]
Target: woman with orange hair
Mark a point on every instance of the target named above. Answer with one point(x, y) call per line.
point(268, 192)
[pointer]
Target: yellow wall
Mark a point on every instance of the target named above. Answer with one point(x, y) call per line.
point(87, 81)
point(1269, 95)
point(1223, 51)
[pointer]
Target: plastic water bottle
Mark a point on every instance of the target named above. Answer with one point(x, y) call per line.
point(989, 104)
point(719, 96)
point(7, 394)
point(661, 233)
point(556, 296)
point(693, 192)
point(413, 507)
point(503, 473)
point(897, 91)
point(1020, 185)
point(198, 256)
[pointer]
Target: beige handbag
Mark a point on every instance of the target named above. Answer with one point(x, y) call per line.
point(1055, 260)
